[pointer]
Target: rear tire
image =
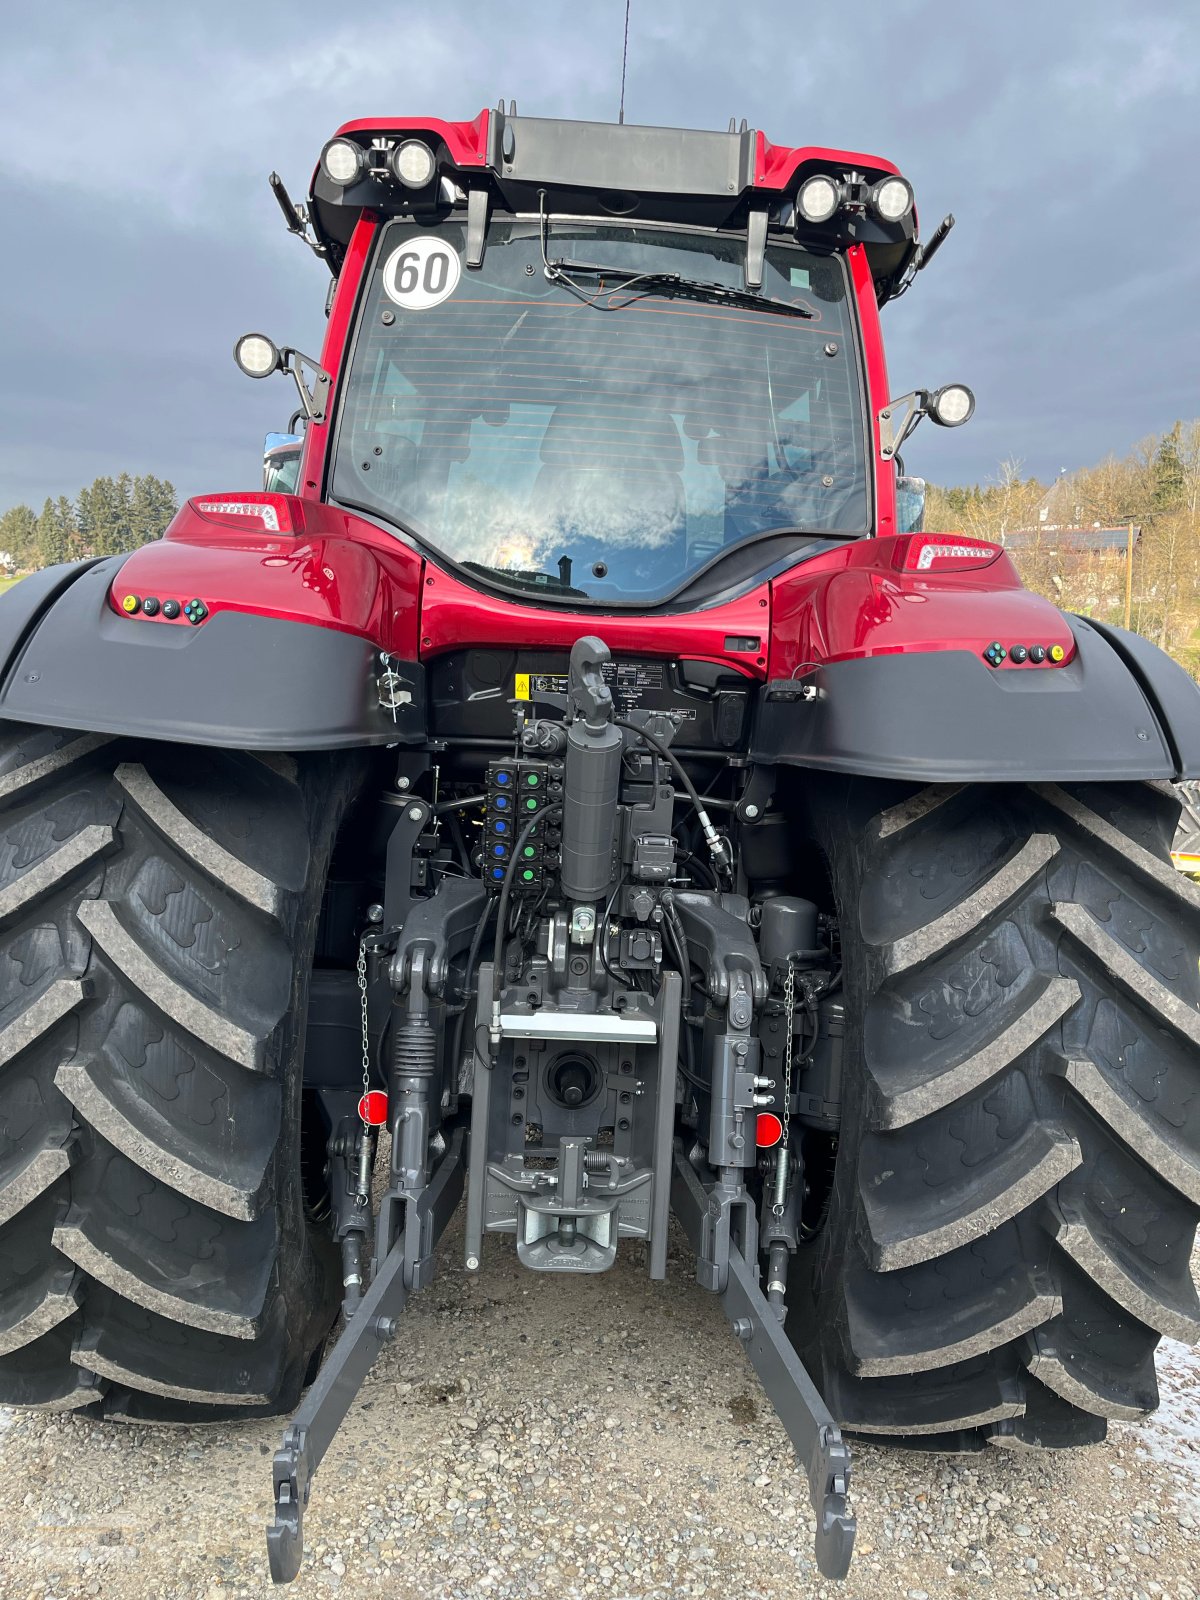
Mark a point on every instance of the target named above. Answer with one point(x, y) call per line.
point(158, 907)
point(1017, 1182)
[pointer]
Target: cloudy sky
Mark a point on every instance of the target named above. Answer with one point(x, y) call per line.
point(141, 238)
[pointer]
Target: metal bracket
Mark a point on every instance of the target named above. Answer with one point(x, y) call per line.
point(397, 884)
point(324, 1408)
point(315, 400)
point(898, 419)
point(815, 1436)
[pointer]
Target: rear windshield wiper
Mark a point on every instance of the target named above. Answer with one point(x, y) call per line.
point(668, 283)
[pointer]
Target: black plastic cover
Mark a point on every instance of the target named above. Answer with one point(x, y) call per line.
point(947, 717)
point(1173, 694)
point(238, 680)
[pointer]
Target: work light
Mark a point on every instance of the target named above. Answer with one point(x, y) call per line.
point(819, 198)
point(952, 405)
point(256, 355)
point(412, 163)
point(343, 161)
point(892, 199)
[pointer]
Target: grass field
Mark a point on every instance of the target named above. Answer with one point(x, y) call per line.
point(7, 583)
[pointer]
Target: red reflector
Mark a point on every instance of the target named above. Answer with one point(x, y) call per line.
point(252, 513)
point(372, 1108)
point(770, 1130)
point(943, 552)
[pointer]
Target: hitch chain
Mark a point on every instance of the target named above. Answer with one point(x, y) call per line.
point(779, 1197)
point(366, 1151)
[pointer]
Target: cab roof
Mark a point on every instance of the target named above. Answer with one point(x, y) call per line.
point(503, 162)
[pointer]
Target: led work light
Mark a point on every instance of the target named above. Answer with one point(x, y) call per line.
point(343, 162)
point(412, 164)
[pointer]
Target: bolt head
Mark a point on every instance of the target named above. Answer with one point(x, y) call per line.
point(415, 813)
point(375, 913)
point(403, 783)
point(751, 811)
point(472, 1263)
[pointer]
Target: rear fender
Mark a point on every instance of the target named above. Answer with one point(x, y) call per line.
point(286, 655)
point(883, 673)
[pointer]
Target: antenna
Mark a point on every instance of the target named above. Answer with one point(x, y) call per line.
point(624, 59)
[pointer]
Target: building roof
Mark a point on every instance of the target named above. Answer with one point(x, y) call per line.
point(1070, 541)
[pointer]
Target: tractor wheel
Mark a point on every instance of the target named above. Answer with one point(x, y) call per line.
point(158, 907)
point(1009, 1223)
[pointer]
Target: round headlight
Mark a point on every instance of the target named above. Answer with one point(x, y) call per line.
point(412, 163)
point(256, 355)
point(819, 198)
point(892, 199)
point(343, 162)
point(952, 405)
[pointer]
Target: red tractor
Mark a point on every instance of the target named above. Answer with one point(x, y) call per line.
point(592, 780)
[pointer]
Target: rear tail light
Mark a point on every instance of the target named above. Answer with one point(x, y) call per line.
point(943, 552)
point(252, 513)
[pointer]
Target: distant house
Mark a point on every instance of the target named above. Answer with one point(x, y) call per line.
point(1103, 544)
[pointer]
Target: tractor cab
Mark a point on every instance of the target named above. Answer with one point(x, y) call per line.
point(616, 365)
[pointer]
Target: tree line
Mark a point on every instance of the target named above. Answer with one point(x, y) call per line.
point(1156, 488)
point(110, 515)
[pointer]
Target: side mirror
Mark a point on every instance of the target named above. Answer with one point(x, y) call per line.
point(950, 406)
point(258, 357)
point(910, 505)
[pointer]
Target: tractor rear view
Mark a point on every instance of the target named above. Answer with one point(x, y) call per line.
point(584, 798)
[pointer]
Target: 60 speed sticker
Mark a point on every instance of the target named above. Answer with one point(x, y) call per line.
point(421, 273)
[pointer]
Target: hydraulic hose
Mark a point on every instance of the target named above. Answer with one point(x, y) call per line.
point(717, 846)
point(502, 910)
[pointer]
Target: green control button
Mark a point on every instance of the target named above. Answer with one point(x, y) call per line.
point(528, 851)
point(531, 804)
point(528, 875)
point(532, 779)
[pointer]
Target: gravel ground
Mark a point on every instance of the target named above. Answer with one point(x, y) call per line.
point(567, 1437)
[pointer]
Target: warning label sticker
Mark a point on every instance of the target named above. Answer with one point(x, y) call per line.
point(631, 682)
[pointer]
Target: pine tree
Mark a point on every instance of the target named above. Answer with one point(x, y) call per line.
point(51, 535)
point(1167, 474)
point(18, 535)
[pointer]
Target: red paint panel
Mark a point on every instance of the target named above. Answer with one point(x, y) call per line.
point(342, 573)
point(877, 384)
point(853, 603)
point(466, 142)
point(455, 616)
point(776, 165)
point(333, 351)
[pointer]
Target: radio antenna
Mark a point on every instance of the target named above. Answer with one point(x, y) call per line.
point(624, 59)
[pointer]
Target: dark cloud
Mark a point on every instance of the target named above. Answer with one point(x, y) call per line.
point(141, 238)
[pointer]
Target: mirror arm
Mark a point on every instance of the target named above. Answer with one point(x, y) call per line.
point(295, 217)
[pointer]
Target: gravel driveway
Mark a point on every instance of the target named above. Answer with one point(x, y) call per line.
point(560, 1437)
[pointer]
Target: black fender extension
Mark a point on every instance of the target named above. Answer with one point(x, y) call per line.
point(239, 680)
point(1119, 710)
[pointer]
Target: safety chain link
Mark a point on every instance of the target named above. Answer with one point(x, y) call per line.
point(779, 1197)
point(789, 1005)
point(361, 969)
